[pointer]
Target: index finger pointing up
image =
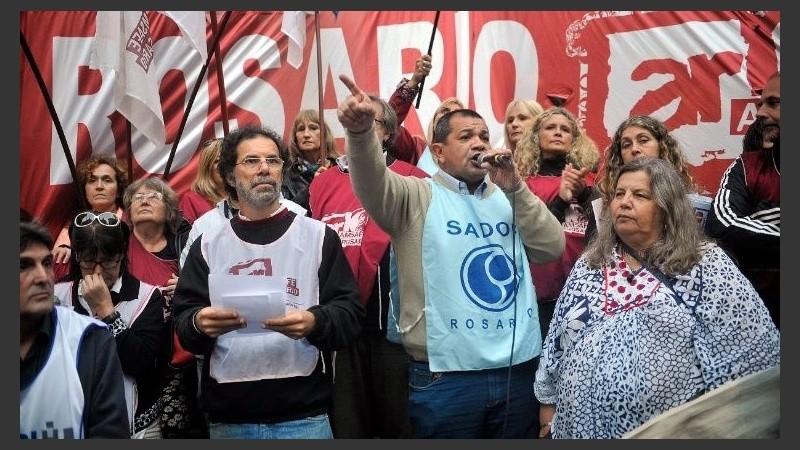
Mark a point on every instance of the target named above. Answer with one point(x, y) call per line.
point(352, 86)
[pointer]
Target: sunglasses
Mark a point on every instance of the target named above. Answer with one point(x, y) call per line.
point(108, 219)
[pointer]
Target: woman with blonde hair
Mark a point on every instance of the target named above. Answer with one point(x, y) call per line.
point(557, 159)
point(207, 187)
point(520, 115)
point(308, 156)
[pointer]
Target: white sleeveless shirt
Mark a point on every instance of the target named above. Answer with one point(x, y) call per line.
point(287, 268)
point(51, 407)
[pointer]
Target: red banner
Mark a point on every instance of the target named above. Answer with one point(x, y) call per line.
point(696, 71)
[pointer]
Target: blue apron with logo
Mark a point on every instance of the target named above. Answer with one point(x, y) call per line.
point(478, 302)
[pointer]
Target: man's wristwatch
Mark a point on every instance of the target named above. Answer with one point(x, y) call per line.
point(111, 318)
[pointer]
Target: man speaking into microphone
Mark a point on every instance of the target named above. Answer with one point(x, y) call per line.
point(496, 159)
point(463, 240)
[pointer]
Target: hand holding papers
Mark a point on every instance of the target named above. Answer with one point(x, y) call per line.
point(252, 296)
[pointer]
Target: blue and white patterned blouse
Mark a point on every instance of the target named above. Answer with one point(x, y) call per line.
point(623, 347)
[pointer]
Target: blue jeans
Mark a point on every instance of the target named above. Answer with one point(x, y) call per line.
point(317, 427)
point(473, 404)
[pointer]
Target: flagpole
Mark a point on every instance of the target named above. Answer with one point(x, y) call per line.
point(430, 49)
point(323, 149)
point(129, 148)
point(194, 93)
point(223, 101)
point(53, 115)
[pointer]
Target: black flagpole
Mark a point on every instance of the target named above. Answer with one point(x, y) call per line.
point(430, 48)
point(53, 114)
point(197, 83)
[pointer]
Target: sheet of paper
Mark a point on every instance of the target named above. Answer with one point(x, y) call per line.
point(251, 296)
point(597, 208)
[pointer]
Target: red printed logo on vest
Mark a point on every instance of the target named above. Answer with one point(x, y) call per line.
point(291, 287)
point(258, 266)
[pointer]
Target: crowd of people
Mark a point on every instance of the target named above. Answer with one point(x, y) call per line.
point(404, 286)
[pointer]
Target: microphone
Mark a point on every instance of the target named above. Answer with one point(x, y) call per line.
point(494, 160)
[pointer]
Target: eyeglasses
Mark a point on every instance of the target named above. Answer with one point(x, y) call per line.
point(253, 163)
point(108, 219)
point(151, 197)
point(105, 264)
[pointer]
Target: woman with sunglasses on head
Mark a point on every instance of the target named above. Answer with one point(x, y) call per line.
point(207, 187)
point(158, 234)
point(102, 180)
point(100, 285)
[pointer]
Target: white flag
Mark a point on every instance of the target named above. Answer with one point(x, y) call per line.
point(123, 50)
point(193, 28)
point(294, 27)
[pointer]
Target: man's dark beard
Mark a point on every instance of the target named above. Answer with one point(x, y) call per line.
point(754, 137)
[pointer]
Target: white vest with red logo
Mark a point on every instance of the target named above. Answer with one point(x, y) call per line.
point(287, 267)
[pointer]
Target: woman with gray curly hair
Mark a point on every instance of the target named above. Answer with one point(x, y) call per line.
point(158, 233)
point(652, 315)
point(557, 159)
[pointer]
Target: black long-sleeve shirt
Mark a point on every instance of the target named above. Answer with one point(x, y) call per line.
point(338, 323)
point(141, 343)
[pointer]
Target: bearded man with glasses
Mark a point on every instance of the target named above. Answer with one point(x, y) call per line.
point(266, 299)
point(99, 285)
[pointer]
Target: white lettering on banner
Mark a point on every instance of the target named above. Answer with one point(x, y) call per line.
point(252, 92)
point(70, 102)
point(515, 39)
point(776, 38)
point(174, 53)
point(678, 59)
point(675, 58)
point(463, 31)
point(335, 61)
point(392, 40)
point(75, 106)
point(748, 116)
